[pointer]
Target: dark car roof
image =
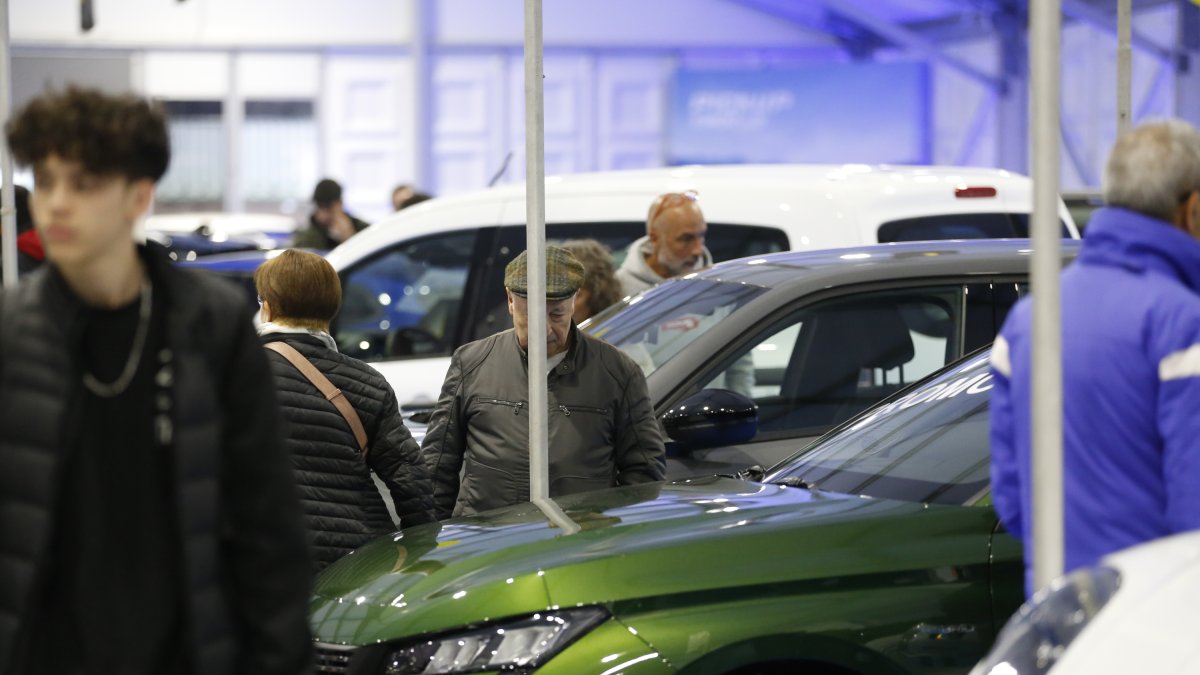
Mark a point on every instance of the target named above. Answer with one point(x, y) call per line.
point(184, 246)
point(882, 261)
point(808, 275)
point(240, 261)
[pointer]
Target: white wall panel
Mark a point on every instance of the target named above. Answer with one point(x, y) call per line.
point(368, 125)
point(570, 120)
point(273, 75)
point(460, 166)
point(631, 98)
point(186, 75)
point(470, 121)
point(622, 23)
point(608, 69)
point(196, 23)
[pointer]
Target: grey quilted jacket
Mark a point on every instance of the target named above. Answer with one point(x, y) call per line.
point(602, 427)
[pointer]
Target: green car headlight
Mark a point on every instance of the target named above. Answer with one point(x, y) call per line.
point(1035, 638)
point(519, 643)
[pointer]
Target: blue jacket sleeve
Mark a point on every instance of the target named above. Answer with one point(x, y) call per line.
point(1005, 474)
point(1179, 425)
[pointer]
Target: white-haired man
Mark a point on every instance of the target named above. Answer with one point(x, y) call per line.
point(1131, 362)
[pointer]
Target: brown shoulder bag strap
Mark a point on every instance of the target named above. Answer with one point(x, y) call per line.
point(330, 392)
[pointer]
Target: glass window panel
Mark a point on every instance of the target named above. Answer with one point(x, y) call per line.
point(660, 323)
point(279, 154)
point(833, 359)
point(195, 179)
point(930, 445)
point(406, 302)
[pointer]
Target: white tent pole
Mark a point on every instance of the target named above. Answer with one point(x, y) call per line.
point(1124, 57)
point(1045, 19)
point(8, 216)
point(535, 233)
point(423, 63)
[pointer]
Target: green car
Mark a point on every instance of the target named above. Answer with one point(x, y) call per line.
point(873, 551)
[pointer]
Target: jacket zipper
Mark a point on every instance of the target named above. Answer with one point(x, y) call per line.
point(582, 408)
point(515, 405)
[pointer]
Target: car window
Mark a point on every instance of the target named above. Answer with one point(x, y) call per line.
point(492, 316)
point(959, 226)
point(407, 301)
point(831, 360)
point(724, 241)
point(657, 325)
point(929, 445)
point(727, 242)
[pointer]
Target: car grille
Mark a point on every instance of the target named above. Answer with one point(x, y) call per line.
point(332, 658)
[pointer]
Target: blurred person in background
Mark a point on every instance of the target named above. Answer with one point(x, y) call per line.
point(600, 286)
point(1131, 364)
point(673, 245)
point(300, 294)
point(330, 224)
point(30, 252)
point(404, 196)
point(149, 521)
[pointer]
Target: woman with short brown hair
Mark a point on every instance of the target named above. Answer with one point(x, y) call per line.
point(300, 294)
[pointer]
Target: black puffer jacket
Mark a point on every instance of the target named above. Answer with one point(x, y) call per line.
point(246, 571)
point(343, 506)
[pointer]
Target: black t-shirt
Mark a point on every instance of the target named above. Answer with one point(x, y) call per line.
point(114, 579)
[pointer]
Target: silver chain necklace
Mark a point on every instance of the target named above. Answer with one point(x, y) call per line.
point(119, 385)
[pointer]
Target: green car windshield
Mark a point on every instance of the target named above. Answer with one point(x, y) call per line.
point(929, 445)
point(656, 325)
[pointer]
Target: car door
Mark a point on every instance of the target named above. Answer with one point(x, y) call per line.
point(822, 362)
point(403, 308)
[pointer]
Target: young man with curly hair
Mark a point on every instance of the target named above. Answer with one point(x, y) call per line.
point(148, 518)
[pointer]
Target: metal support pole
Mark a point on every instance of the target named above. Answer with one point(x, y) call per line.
point(535, 234)
point(1045, 23)
point(1187, 66)
point(234, 109)
point(422, 89)
point(1124, 59)
point(8, 214)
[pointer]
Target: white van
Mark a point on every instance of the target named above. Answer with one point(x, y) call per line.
point(428, 279)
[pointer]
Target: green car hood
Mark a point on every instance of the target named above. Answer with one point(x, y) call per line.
point(626, 543)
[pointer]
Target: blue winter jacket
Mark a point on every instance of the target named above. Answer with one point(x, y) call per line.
point(1131, 391)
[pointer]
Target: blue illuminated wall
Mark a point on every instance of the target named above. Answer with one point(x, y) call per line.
point(868, 113)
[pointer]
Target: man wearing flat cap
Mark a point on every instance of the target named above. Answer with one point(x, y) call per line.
point(602, 427)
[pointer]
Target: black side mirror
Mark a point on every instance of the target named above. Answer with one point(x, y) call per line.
point(712, 418)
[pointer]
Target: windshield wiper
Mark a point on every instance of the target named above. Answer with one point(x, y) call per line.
point(796, 481)
point(756, 473)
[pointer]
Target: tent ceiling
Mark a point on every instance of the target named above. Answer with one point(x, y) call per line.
point(862, 26)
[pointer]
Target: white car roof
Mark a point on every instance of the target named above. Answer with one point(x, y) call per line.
point(1148, 626)
point(818, 206)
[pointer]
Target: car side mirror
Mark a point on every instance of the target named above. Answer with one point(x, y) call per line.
point(711, 418)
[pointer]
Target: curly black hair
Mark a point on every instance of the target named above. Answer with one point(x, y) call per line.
point(108, 134)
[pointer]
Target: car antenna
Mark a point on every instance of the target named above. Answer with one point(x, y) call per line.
point(503, 168)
